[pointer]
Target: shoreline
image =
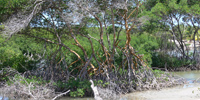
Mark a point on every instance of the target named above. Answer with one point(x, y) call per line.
point(177, 69)
point(170, 93)
point(174, 81)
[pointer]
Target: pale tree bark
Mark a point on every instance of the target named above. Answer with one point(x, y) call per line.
point(20, 21)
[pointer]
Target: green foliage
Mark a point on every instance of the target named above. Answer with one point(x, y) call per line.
point(101, 83)
point(79, 88)
point(12, 53)
point(8, 7)
point(160, 59)
point(27, 81)
point(158, 73)
point(4, 76)
point(78, 93)
point(145, 44)
point(2, 27)
point(161, 12)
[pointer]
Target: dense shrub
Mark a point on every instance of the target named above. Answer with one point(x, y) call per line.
point(161, 60)
point(79, 88)
point(12, 53)
point(145, 44)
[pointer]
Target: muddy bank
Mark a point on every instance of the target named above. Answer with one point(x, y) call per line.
point(184, 92)
point(185, 68)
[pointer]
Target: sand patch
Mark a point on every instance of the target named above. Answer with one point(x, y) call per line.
point(186, 92)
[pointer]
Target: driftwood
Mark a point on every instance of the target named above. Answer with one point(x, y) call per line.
point(61, 94)
point(95, 91)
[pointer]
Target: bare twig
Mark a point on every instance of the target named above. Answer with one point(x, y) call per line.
point(61, 94)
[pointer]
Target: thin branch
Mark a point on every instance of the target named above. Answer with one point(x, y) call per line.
point(61, 94)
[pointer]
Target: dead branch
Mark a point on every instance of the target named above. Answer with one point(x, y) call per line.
point(61, 94)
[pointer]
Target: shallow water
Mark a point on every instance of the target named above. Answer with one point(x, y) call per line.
point(190, 76)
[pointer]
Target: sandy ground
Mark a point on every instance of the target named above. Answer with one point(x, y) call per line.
point(186, 92)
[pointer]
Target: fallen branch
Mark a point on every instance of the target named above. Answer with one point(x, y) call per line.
point(61, 94)
point(96, 93)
